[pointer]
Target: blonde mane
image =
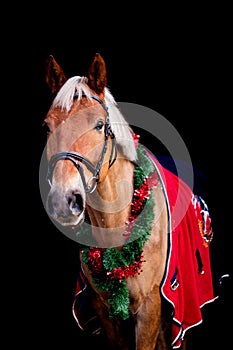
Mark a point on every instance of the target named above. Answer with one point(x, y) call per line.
point(124, 135)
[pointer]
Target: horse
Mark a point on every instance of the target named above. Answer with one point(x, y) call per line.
point(109, 192)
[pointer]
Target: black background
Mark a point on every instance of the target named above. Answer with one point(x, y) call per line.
point(174, 62)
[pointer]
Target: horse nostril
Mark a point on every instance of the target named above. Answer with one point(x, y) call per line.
point(75, 203)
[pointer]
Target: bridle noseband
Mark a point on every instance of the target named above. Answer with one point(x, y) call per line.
point(77, 158)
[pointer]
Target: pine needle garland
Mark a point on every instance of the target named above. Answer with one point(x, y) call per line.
point(111, 267)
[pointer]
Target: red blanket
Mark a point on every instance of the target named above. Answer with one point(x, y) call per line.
point(187, 283)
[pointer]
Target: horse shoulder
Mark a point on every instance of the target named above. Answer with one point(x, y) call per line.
point(147, 282)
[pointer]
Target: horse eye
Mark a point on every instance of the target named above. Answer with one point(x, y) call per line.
point(99, 125)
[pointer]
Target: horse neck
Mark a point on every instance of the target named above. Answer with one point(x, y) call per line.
point(109, 206)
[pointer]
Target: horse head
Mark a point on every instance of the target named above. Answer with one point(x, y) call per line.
point(81, 145)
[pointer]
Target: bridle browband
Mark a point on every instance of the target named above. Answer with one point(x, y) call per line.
point(77, 158)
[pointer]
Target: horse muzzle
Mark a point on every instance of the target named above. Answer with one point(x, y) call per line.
point(67, 208)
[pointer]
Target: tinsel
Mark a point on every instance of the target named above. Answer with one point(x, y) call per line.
point(110, 267)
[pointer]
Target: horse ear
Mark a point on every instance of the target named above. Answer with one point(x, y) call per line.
point(55, 76)
point(97, 75)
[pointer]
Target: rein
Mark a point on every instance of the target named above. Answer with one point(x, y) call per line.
point(77, 158)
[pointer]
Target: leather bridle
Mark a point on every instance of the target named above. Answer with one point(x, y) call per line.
point(77, 159)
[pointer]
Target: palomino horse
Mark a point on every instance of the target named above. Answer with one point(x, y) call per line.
point(117, 200)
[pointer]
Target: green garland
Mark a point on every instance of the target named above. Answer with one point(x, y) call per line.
point(111, 266)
